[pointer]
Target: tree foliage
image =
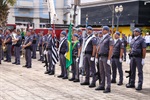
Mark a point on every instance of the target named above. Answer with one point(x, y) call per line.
point(4, 10)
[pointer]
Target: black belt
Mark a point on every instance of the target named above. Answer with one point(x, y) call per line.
point(115, 56)
point(88, 52)
point(103, 55)
point(136, 56)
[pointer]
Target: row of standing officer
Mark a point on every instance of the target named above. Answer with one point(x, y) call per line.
point(110, 53)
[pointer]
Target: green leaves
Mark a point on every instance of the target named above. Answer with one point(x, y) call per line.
point(4, 10)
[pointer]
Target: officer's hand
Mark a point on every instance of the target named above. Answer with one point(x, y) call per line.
point(65, 54)
point(96, 60)
point(92, 59)
point(45, 52)
point(120, 60)
point(23, 46)
point(108, 62)
point(143, 62)
point(77, 59)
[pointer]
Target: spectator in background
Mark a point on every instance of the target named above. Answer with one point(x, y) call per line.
point(129, 39)
point(147, 39)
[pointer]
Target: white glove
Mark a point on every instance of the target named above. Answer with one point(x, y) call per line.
point(108, 62)
point(92, 59)
point(143, 62)
point(77, 59)
point(120, 60)
point(96, 60)
point(45, 52)
point(65, 54)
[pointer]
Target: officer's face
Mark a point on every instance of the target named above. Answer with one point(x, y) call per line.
point(0, 31)
point(8, 31)
point(49, 32)
point(100, 35)
point(80, 33)
point(116, 36)
point(136, 33)
point(89, 31)
point(18, 32)
point(104, 31)
point(28, 33)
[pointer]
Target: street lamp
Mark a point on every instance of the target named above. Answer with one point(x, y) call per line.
point(118, 11)
point(86, 20)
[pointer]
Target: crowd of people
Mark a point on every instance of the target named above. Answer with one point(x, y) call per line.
point(94, 54)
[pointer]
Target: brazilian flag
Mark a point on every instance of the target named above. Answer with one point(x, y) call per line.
point(69, 53)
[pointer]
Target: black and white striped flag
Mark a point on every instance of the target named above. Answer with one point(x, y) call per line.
point(54, 51)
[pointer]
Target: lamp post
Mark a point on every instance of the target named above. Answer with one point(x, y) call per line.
point(86, 20)
point(118, 11)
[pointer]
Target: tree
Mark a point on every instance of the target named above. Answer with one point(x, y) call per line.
point(4, 10)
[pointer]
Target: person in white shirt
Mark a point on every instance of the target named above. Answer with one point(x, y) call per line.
point(147, 39)
point(129, 39)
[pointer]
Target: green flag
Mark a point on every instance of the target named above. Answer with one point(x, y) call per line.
point(69, 53)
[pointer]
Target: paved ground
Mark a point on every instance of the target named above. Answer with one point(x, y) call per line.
point(17, 83)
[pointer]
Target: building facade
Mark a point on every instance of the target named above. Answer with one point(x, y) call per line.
point(36, 13)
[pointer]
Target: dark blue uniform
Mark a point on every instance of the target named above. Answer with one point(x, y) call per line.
point(116, 64)
point(28, 51)
point(1, 39)
point(41, 48)
point(88, 64)
point(34, 45)
point(136, 58)
point(63, 49)
point(8, 46)
point(17, 48)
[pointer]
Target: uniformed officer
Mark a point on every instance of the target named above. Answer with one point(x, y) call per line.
point(44, 44)
point(62, 50)
point(1, 42)
point(89, 57)
point(124, 40)
point(17, 47)
point(80, 36)
point(117, 59)
point(50, 69)
point(28, 47)
point(105, 53)
point(75, 67)
point(138, 52)
point(8, 43)
point(40, 45)
point(99, 38)
point(34, 44)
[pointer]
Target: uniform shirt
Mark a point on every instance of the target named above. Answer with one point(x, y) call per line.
point(75, 48)
point(8, 37)
point(64, 46)
point(28, 39)
point(35, 37)
point(124, 40)
point(19, 42)
point(49, 42)
point(91, 43)
point(137, 44)
point(40, 40)
point(118, 45)
point(105, 43)
point(1, 38)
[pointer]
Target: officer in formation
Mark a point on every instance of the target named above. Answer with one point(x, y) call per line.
point(50, 69)
point(17, 47)
point(75, 55)
point(28, 47)
point(40, 45)
point(105, 54)
point(44, 45)
point(117, 59)
point(62, 50)
point(124, 40)
point(1, 43)
point(34, 44)
point(89, 57)
point(8, 44)
point(138, 53)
